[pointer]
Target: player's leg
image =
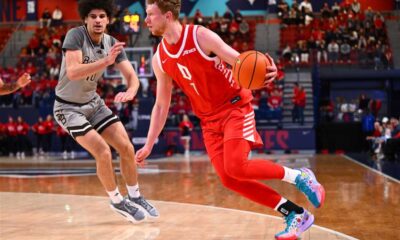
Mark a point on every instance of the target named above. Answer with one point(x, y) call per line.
point(240, 135)
point(297, 218)
point(116, 135)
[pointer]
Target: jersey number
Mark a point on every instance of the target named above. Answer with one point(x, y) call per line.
point(91, 78)
point(187, 75)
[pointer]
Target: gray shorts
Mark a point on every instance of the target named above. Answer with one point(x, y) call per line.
point(78, 119)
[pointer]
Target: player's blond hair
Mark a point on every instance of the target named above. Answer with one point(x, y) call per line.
point(168, 5)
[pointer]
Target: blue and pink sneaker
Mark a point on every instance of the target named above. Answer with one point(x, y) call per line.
point(308, 184)
point(296, 224)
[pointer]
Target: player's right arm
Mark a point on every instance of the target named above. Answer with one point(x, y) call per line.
point(75, 68)
point(160, 111)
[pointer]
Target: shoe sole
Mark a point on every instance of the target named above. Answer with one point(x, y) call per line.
point(127, 216)
point(320, 189)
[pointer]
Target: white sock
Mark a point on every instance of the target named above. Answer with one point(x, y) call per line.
point(290, 175)
point(133, 191)
point(115, 196)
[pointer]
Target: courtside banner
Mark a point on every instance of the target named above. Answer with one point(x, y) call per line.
point(285, 139)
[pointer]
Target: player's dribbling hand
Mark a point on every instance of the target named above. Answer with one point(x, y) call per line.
point(114, 51)
point(23, 80)
point(272, 71)
point(141, 155)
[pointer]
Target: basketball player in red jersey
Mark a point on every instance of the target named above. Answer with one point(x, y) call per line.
point(195, 58)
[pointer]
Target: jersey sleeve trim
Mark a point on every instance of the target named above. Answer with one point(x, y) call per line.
point(196, 43)
point(182, 46)
point(158, 58)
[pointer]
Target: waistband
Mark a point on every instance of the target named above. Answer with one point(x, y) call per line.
point(58, 99)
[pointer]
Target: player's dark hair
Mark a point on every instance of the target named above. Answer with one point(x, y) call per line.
point(85, 6)
point(168, 5)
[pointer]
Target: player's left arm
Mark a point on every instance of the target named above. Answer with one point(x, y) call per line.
point(210, 42)
point(6, 88)
point(126, 69)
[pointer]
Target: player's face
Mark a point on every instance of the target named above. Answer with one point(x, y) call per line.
point(96, 21)
point(155, 20)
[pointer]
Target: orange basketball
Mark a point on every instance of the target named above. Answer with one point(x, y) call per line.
point(250, 68)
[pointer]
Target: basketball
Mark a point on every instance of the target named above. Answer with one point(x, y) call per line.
point(250, 68)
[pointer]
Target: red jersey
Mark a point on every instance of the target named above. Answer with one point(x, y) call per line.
point(11, 129)
point(39, 128)
point(22, 128)
point(49, 126)
point(207, 82)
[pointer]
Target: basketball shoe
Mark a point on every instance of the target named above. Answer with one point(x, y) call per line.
point(296, 224)
point(308, 184)
point(129, 210)
point(146, 207)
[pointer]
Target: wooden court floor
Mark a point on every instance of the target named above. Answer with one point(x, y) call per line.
point(70, 203)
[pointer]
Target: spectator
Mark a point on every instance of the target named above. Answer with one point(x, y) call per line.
point(198, 18)
point(11, 132)
point(345, 50)
point(186, 128)
point(40, 131)
point(333, 51)
point(45, 20)
point(238, 16)
point(57, 17)
point(49, 126)
point(356, 7)
point(299, 103)
point(287, 53)
point(305, 5)
point(326, 12)
point(335, 9)
point(22, 142)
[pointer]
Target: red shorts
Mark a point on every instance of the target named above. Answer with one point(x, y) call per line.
point(232, 123)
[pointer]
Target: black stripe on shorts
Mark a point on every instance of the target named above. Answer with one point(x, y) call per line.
point(103, 124)
point(77, 131)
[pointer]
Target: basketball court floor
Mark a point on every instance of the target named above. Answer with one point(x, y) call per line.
point(63, 199)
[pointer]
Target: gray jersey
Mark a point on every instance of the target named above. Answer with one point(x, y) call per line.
point(83, 90)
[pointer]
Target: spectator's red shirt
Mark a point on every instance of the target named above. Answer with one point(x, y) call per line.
point(275, 102)
point(49, 126)
point(39, 128)
point(11, 129)
point(185, 124)
point(300, 99)
point(22, 128)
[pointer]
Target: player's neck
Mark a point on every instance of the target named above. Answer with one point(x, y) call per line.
point(96, 38)
point(173, 33)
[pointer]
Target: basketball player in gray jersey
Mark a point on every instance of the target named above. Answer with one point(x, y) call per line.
point(87, 51)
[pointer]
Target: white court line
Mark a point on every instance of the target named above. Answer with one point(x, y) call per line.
point(370, 168)
point(207, 206)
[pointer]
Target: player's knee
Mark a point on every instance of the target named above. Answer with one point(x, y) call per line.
point(236, 171)
point(227, 181)
point(125, 148)
point(104, 155)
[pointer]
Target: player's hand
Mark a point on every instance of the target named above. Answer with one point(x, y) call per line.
point(272, 71)
point(23, 80)
point(125, 96)
point(114, 51)
point(142, 154)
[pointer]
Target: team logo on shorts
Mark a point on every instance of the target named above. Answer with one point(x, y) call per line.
point(60, 117)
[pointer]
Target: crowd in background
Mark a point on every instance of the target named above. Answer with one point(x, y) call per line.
point(340, 33)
